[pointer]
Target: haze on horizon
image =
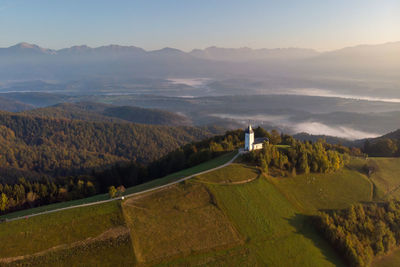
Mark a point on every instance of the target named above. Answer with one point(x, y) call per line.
point(186, 25)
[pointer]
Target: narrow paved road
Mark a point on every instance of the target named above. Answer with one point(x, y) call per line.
point(130, 195)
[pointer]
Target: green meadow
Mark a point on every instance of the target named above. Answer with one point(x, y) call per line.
point(234, 216)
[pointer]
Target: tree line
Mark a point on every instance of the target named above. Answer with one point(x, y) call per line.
point(291, 156)
point(362, 231)
point(382, 147)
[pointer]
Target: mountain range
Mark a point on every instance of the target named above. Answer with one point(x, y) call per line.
point(359, 70)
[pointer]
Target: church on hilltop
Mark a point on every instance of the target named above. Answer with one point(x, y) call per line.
point(251, 143)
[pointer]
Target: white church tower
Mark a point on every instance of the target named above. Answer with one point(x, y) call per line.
point(248, 138)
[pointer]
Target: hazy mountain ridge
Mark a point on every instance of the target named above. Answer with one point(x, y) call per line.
point(366, 69)
point(91, 111)
point(13, 105)
point(248, 54)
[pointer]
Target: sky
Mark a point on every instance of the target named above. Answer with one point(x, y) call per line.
point(186, 24)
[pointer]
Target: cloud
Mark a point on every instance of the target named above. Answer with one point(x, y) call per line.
point(317, 128)
point(195, 82)
point(314, 128)
point(327, 93)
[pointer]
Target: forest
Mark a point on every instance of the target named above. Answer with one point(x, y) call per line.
point(60, 147)
point(362, 231)
point(384, 146)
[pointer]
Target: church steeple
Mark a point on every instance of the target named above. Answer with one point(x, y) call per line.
point(248, 138)
point(249, 130)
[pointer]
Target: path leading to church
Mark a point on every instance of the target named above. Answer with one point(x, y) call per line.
point(133, 194)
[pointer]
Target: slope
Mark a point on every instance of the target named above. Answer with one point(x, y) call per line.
point(91, 235)
point(234, 216)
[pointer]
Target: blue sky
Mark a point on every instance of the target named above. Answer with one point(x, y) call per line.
point(188, 24)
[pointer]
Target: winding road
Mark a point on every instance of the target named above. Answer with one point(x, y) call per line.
point(133, 194)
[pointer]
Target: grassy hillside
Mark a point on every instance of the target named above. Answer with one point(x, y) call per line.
point(386, 176)
point(177, 222)
point(275, 234)
point(65, 237)
point(315, 191)
point(234, 216)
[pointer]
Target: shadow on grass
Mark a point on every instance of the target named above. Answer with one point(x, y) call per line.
point(304, 225)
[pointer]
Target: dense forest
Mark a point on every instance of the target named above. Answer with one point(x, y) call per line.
point(362, 231)
point(59, 147)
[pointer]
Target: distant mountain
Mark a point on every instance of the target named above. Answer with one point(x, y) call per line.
point(13, 106)
point(289, 67)
point(248, 54)
point(382, 60)
point(36, 99)
point(25, 49)
point(90, 111)
point(393, 135)
point(146, 116)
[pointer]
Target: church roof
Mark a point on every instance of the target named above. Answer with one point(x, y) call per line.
point(249, 130)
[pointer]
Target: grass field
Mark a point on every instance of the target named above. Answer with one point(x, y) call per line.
point(234, 173)
point(167, 179)
point(42, 232)
point(109, 252)
point(276, 234)
point(176, 222)
point(386, 177)
point(312, 192)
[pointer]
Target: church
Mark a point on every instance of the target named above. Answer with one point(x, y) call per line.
point(250, 143)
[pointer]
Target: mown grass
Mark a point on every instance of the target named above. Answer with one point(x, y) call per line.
point(313, 192)
point(111, 252)
point(23, 237)
point(177, 222)
point(276, 234)
point(386, 177)
point(165, 180)
point(236, 256)
point(234, 173)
